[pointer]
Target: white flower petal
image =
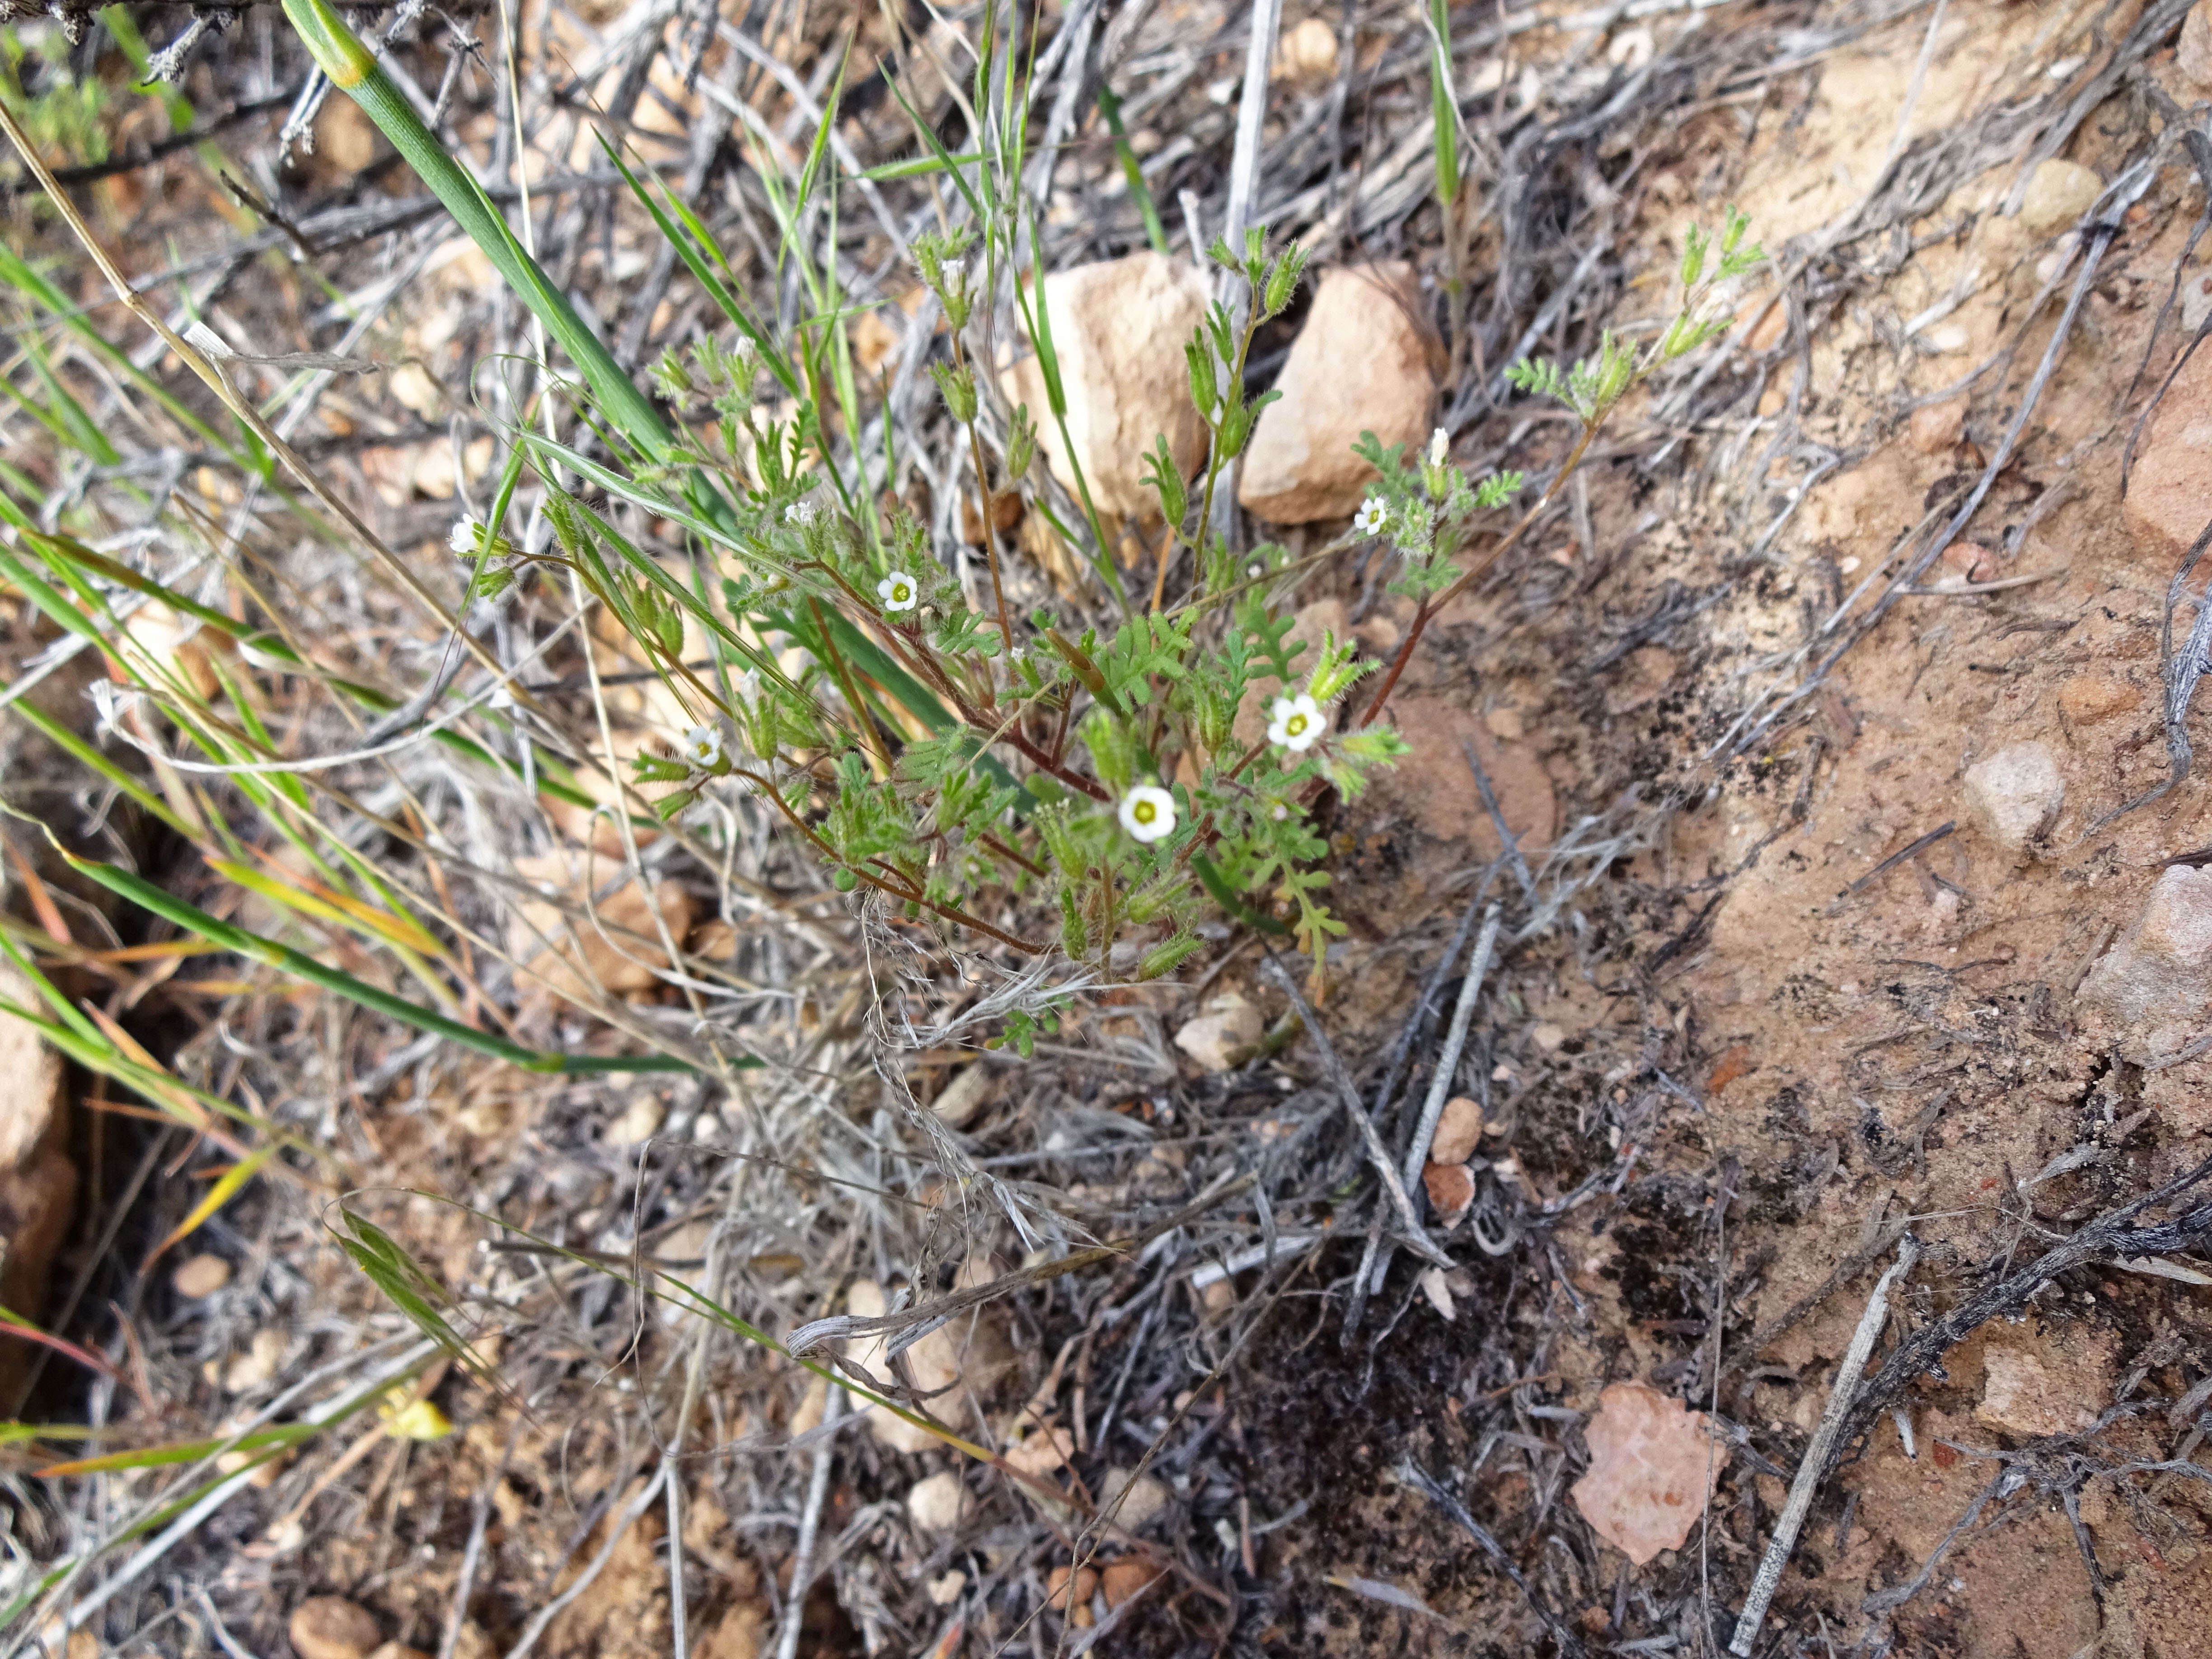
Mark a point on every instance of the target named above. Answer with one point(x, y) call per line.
point(1148, 812)
point(897, 592)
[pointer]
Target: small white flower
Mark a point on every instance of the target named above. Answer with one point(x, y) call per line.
point(897, 592)
point(1439, 447)
point(1294, 722)
point(1368, 520)
point(800, 512)
point(1148, 812)
point(703, 747)
point(467, 539)
point(955, 272)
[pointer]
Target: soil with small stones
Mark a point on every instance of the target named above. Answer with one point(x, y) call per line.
point(1749, 1042)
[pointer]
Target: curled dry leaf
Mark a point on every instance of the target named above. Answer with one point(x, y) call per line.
point(1651, 1470)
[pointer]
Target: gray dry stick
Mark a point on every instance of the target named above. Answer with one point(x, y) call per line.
point(1425, 1132)
point(1416, 1237)
point(1808, 1482)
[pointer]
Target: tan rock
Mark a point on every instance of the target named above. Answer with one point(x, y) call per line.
point(1366, 361)
point(2085, 699)
point(620, 954)
point(2058, 193)
point(2160, 969)
point(200, 1276)
point(955, 1367)
point(2192, 53)
point(398, 1650)
point(1069, 1586)
point(247, 1371)
point(1118, 328)
point(965, 1096)
point(940, 1502)
point(38, 1181)
point(1125, 1578)
point(1306, 55)
point(1223, 1034)
point(332, 1627)
point(1134, 1501)
point(2015, 795)
point(945, 1588)
point(1936, 427)
point(2169, 499)
point(1651, 1470)
point(640, 1122)
point(1459, 1126)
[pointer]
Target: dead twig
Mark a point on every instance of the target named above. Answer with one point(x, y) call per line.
point(1811, 1469)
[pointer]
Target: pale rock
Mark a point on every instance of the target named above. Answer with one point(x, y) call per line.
point(1365, 361)
point(38, 1181)
point(965, 1096)
point(945, 1588)
point(2022, 1394)
point(2015, 795)
point(1119, 328)
point(1306, 55)
point(1040, 1451)
point(940, 1502)
point(1505, 724)
point(2159, 972)
point(200, 1276)
point(621, 954)
point(332, 1627)
point(1133, 1501)
point(1459, 1126)
point(1439, 1293)
point(1222, 1036)
point(397, 1650)
point(411, 386)
point(1451, 1192)
point(640, 1122)
point(2195, 299)
point(955, 1367)
point(1651, 1470)
point(247, 1371)
point(2058, 193)
point(1548, 1037)
point(1936, 427)
point(2192, 53)
point(2169, 499)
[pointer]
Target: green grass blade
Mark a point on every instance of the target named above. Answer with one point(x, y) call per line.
point(282, 957)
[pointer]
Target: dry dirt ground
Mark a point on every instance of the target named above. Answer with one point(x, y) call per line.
point(1774, 993)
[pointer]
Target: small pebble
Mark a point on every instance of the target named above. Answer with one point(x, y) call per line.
point(638, 1123)
point(249, 1370)
point(332, 1627)
point(1085, 1581)
point(938, 1502)
point(1458, 1127)
point(1936, 427)
point(200, 1276)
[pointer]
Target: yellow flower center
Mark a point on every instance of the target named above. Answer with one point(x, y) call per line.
point(1144, 812)
point(898, 590)
point(1296, 725)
